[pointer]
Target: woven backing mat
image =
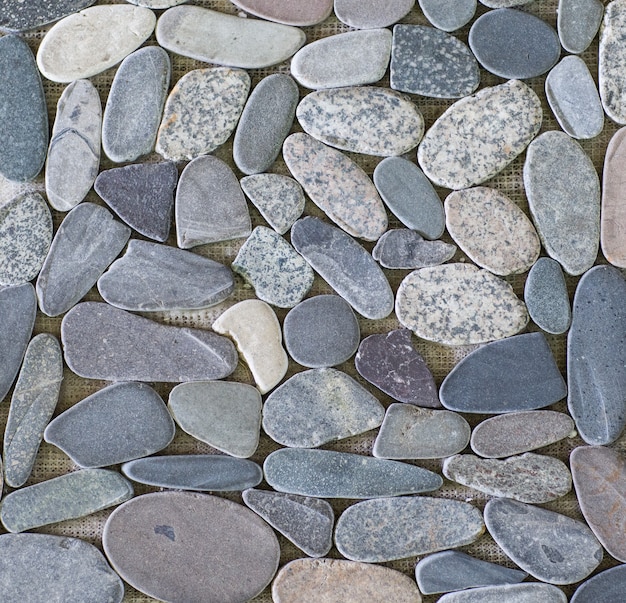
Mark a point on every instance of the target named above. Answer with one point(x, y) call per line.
point(52, 462)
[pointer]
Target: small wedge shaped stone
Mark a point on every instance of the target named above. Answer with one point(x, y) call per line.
point(369, 14)
point(611, 60)
point(613, 215)
point(605, 587)
point(448, 15)
point(285, 11)
point(406, 249)
point(508, 593)
point(578, 23)
point(21, 16)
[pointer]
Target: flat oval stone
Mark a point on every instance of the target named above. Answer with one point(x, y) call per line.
point(369, 14)
point(344, 265)
point(353, 58)
point(121, 422)
point(201, 112)
point(405, 249)
point(284, 11)
point(91, 41)
point(578, 22)
point(508, 593)
point(394, 528)
point(319, 406)
point(330, 474)
point(103, 342)
point(563, 191)
point(68, 496)
point(22, 16)
point(611, 60)
point(613, 216)
point(517, 432)
point(605, 587)
point(490, 308)
point(549, 546)
point(430, 62)
point(596, 356)
point(448, 15)
point(480, 135)
point(194, 534)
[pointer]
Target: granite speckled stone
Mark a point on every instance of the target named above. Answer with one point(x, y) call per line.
point(285, 11)
point(448, 15)
point(18, 15)
point(406, 249)
point(611, 61)
point(613, 214)
point(578, 22)
point(508, 593)
point(606, 587)
point(369, 14)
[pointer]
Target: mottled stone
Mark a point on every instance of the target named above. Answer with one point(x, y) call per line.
point(508, 593)
point(369, 14)
point(480, 135)
point(611, 61)
point(18, 15)
point(606, 587)
point(344, 265)
point(448, 15)
point(285, 11)
point(578, 22)
point(613, 214)
point(406, 249)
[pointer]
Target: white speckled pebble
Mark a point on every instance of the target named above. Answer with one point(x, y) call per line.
point(612, 61)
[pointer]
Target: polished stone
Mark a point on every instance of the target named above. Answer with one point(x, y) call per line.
point(18, 15)
point(606, 587)
point(578, 23)
point(508, 593)
point(285, 11)
point(369, 14)
point(406, 249)
point(611, 61)
point(448, 15)
point(613, 214)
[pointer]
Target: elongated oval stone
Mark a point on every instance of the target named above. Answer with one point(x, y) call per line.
point(65, 497)
point(394, 528)
point(549, 546)
point(330, 474)
point(406, 249)
point(448, 15)
point(490, 310)
point(91, 41)
point(480, 135)
point(578, 23)
point(613, 216)
point(370, 14)
point(121, 422)
point(508, 593)
point(21, 16)
point(605, 587)
point(285, 11)
point(103, 342)
point(611, 59)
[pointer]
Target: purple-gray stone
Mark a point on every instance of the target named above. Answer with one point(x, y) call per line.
point(608, 586)
point(407, 250)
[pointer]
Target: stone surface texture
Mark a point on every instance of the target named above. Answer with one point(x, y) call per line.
point(508, 593)
point(605, 587)
point(406, 249)
point(370, 14)
point(611, 60)
point(448, 15)
point(578, 23)
point(613, 214)
point(18, 16)
point(285, 11)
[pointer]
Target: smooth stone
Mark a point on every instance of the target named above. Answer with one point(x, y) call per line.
point(86, 242)
point(25, 236)
point(306, 522)
point(201, 112)
point(121, 422)
point(18, 15)
point(337, 185)
point(158, 4)
point(514, 374)
point(480, 135)
point(578, 22)
point(197, 535)
point(103, 342)
point(596, 356)
point(330, 474)
point(353, 58)
point(370, 14)
point(393, 365)
point(74, 152)
point(319, 406)
point(606, 587)
point(490, 309)
point(279, 199)
point(376, 531)
point(270, 264)
point(214, 37)
point(264, 124)
point(492, 230)
point(68, 496)
point(321, 331)
point(611, 61)
point(406, 249)
point(448, 15)
point(508, 593)
point(225, 415)
point(210, 206)
point(150, 277)
point(518, 432)
point(431, 62)
point(613, 215)
point(32, 404)
point(285, 11)
point(362, 119)
point(89, 42)
point(549, 546)
point(344, 265)
point(410, 196)
point(452, 571)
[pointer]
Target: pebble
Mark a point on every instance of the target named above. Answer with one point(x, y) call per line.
point(18, 15)
point(549, 546)
point(427, 304)
point(362, 119)
point(121, 422)
point(430, 62)
point(201, 112)
point(503, 3)
point(158, 4)
point(391, 363)
point(492, 230)
point(321, 331)
point(89, 42)
point(613, 215)
point(410, 196)
point(86, 242)
point(194, 535)
point(448, 15)
point(330, 474)
point(611, 60)
point(103, 342)
point(319, 406)
point(480, 135)
point(32, 404)
point(563, 191)
point(578, 22)
point(74, 152)
point(369, 14)
point(344, 265)
point(508, 593)
point(225, 415)
point(264, 124)
point(514, 374)
point(210, 206)
point(68, 496)
point(410, 432)
point(406, 249)
point(337, 185)
point(304, 521)
point(214, 37)
point(395, 528)
point(596, 356)
point(353, 58)
point(284, 11)
point(606, 587)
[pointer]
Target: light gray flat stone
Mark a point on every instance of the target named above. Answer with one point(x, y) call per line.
point(612, 214)
point(448, 15)
point(406, 249)
point(368, 14)
point(22, 16)
point(285, 11)
point(508, 593)
point(578, 23)
point(611, 61)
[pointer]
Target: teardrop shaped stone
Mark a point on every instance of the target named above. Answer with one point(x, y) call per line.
point(508, 593)
point(611, 59)
point(22, 16)
point(578, 22)
point(613, 216)
point(405, 249)
point(285, 11)
point(604, 587)
point(448, 15)
point(367, 14)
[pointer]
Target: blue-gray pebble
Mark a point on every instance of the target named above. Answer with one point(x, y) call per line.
point(578, 23)
point(545, 294)
point(448, 15)
point(608, 586)
point(18, 15)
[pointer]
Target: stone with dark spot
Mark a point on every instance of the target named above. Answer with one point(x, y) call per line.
point(18, 15)
point(606, 587)
point(406, 249)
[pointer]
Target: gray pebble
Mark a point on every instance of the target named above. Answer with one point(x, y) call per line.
point(606, 587)
point(612, 214)
point(22, 16)
point(311, 13)
point(368, 14)
point(406, 249)
point(448, 15)
point(508, 593)
point(578, 23)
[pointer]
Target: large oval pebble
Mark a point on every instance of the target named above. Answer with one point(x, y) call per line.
point(611, 59)
point(613, 214)
point(508, 593)
point(606, 587)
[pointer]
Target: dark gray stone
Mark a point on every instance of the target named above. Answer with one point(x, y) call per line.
point(508, 593)
point(407, 250)
point(448, 15)
point(606, 587)
point(578, 23)
point(17, 15)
